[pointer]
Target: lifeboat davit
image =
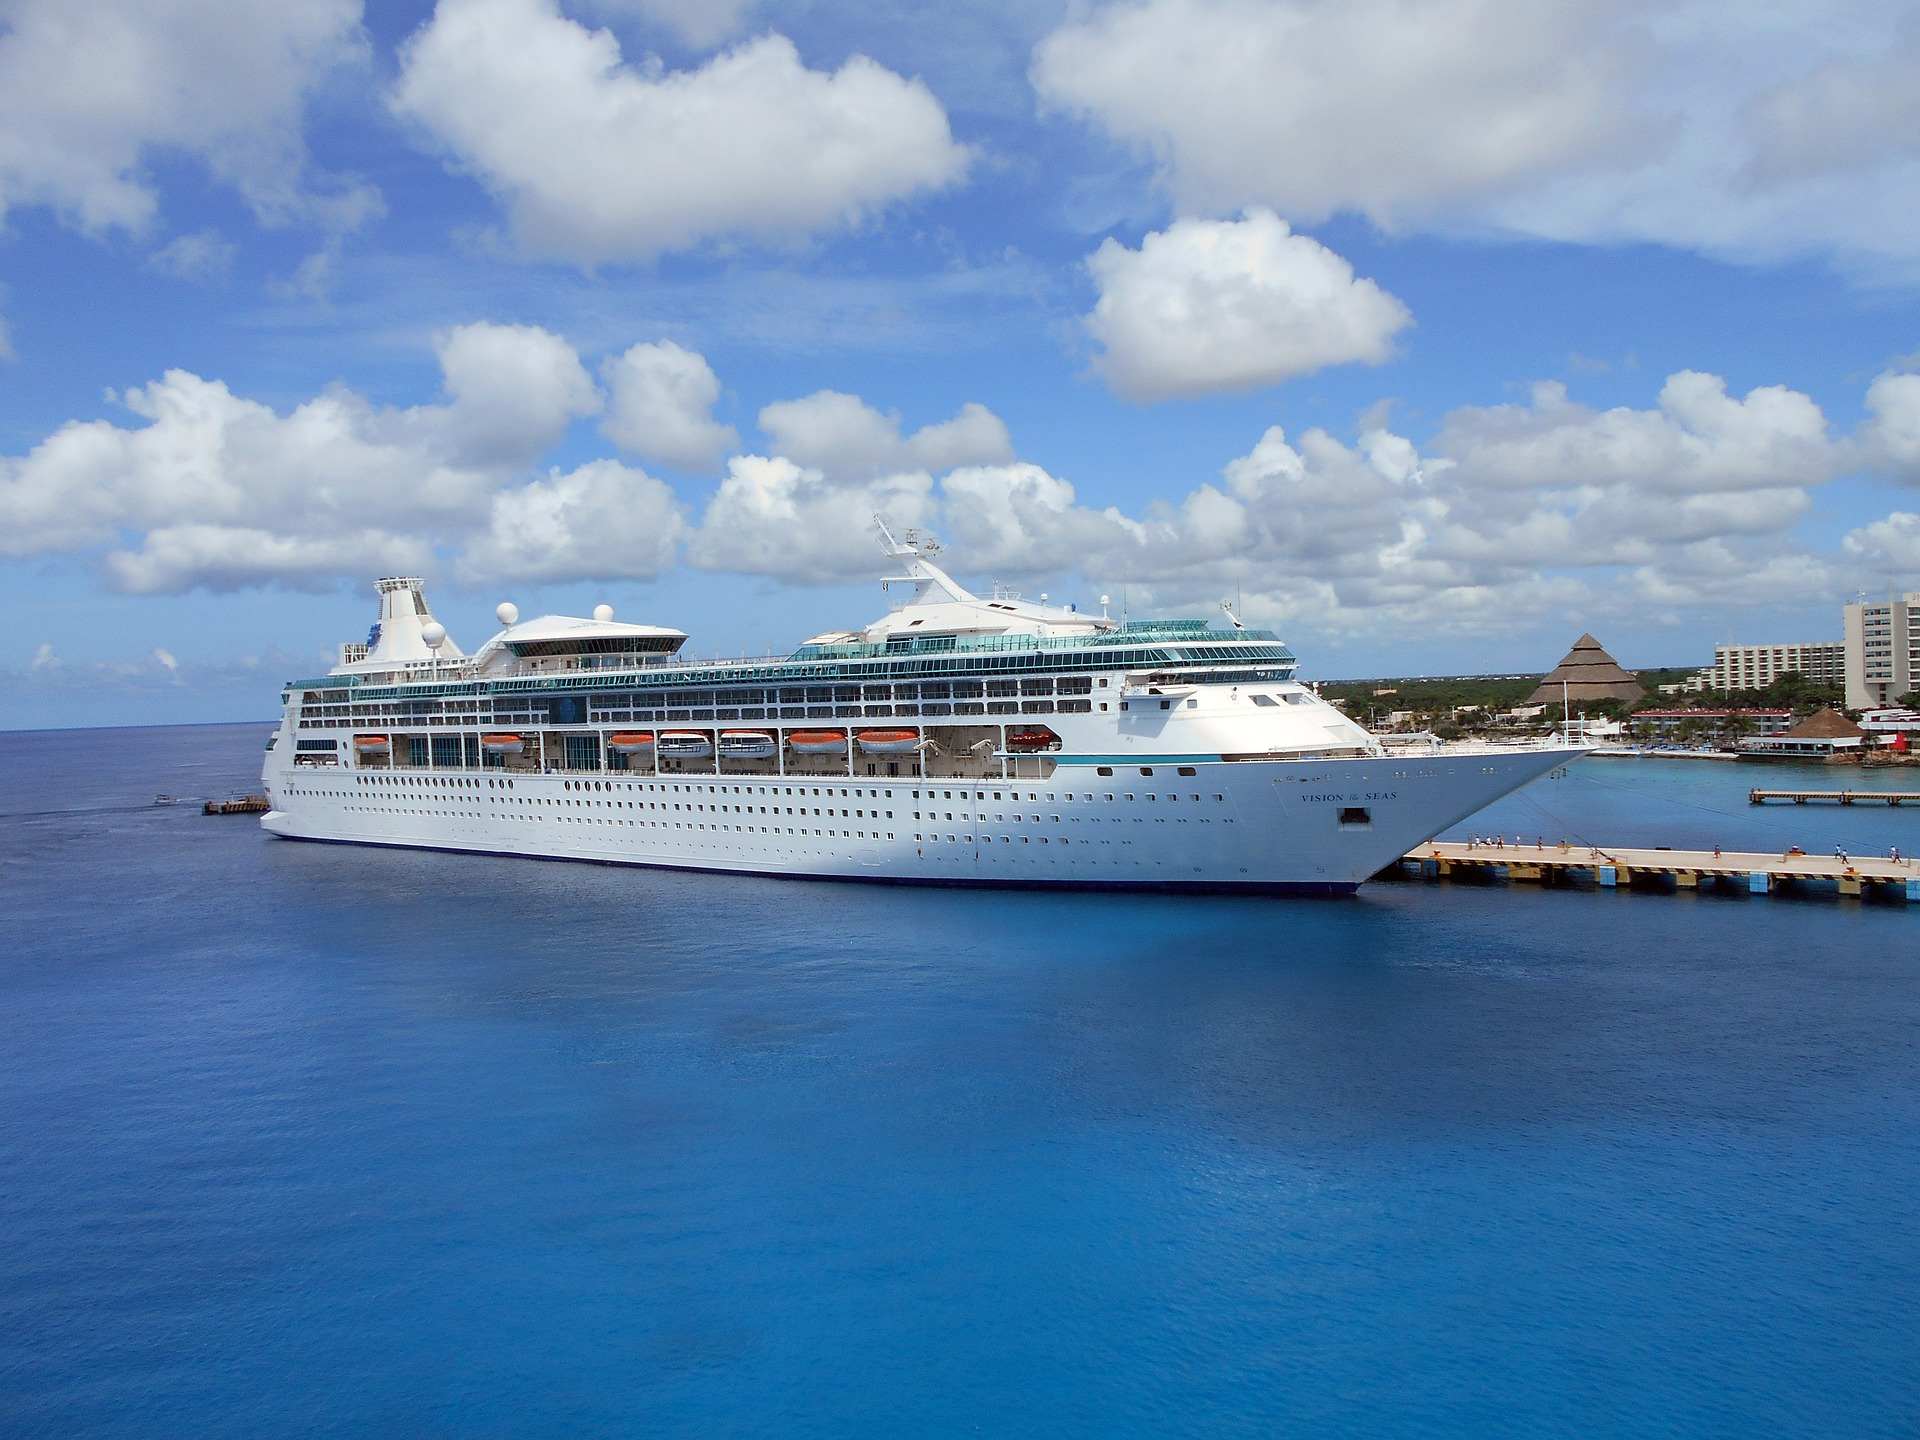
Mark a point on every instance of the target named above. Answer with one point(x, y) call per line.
point(817, 742)
point(887, 742)
point(502, 744)
point(1026, 742)
point(630, 742)
point(372, 745)
point(684, 745)
point(746, 745)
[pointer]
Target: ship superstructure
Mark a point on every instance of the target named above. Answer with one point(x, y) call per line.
point(959, 739)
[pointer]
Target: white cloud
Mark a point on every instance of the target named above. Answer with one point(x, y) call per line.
point(200, 255)
point(842, 434)
point(603, 521)
point(660, 406)
point(597, 160)
point(1888, 547)
point(1370, 105)
point(515, 389)
point(773, 517)
point(1700, 439)
point(44, 658)
point(699, 23)
point(1889, 440)
point(1688, 503)
point(1755, 136)
point(166, 660)
point(1022, 519)
point(176, 558)
point(232, 492)
point(1229, 305)
point(89, 96)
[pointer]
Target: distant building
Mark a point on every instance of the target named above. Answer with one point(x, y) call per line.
point(1878, 723)
point(1587, 674)
point(1694, 684)
point(1755, 667)
point(1668, 722)
point(1821, 736)
point(1882, 650)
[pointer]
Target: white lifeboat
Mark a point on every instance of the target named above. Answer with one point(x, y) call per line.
point(817, 742)
point(502, 744)
point(887, 742)
point(630, 742)
point(684, 745)
point(372, 745)
point(746, 745)
point(1030, 742)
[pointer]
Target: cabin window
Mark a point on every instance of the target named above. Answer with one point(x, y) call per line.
point(1188, 770)
point(1105, 770)
point(1265, 700)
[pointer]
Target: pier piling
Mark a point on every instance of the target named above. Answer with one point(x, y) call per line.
point(1627, 868)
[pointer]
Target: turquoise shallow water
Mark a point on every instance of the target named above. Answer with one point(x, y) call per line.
point(318, 1140)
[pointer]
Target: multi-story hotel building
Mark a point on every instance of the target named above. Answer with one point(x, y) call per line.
point(1882, 650)
point(1754, 667)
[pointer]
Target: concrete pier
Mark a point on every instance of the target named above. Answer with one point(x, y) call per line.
point(1627, 867)
point(1833, 797)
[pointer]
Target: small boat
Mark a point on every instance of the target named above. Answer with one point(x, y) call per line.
point(630, 742)
point(746, 745)
point(1026, 742)
point(372, 745)
point(684, 745)
point(502, 744)
point(888, 742)
point(817, 742)
point(166, 799)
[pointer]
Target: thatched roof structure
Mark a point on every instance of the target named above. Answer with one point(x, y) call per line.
point(1828, 724)
point(1590, 674)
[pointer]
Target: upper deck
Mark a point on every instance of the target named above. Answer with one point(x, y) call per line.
point(1160, 644)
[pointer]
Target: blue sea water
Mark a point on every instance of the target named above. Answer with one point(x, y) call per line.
point(327, 1141)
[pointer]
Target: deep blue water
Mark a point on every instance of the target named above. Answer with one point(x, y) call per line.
point(319, 1140)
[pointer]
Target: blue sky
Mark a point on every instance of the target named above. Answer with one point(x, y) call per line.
point(1436, 332)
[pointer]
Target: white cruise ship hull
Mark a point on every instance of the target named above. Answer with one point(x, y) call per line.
point(1301, 826)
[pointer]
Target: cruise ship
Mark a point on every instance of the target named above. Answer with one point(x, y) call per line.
point(961, 739)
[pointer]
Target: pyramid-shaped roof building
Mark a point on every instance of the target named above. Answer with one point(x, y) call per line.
point(1828, 724)
point(1589, 674)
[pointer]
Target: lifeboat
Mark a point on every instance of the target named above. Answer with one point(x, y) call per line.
point(817, 742)
point(887, 742)
point(684, 745)
point(372, 745)
point(1026, 742)
point(746, 745)
point(630, 742)
point(502, 744)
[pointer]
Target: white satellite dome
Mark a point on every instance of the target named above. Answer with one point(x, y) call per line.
point(603, 613)
point(434, 633)
point(507, 612)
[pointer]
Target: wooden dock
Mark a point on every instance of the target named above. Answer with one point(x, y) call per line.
point(1615, 867)
point(1833, 797)
point(245, 805)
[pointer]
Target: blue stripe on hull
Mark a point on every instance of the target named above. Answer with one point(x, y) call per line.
point(1181, 887)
